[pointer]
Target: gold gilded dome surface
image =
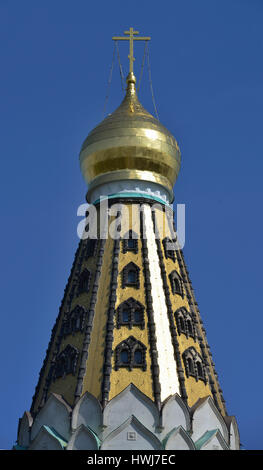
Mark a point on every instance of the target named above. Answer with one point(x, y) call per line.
point(130, 144)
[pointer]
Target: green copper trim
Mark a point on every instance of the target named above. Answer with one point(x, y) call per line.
point(95, 436)
point(54, 434)
point(133, 195)
point(168, 435)
point(57, 436)
point(204, 438)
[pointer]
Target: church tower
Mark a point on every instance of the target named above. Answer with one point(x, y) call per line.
point(128, 365)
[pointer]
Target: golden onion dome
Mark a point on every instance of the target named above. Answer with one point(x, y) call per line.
point(130, 144)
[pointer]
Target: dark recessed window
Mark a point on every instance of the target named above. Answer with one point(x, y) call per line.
point(138, 357)
point(176, 283)
point(125, 316)
point(190, 327)
point(185, 323)
point(194, 365)
point(181, 323)
point(131, 313)
point(131, 244)
point(138, 316)
point(66, 362)
point(199, 369)
point(131, 276)
point(130, 353)
point(124, 357)
point(190, 365)
point(73, 321)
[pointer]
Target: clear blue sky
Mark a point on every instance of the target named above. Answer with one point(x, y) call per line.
point(207, 71)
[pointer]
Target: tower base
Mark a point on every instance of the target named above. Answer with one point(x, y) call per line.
point(130, 421)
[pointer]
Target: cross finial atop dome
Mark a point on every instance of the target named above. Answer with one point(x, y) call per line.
point(130, 37)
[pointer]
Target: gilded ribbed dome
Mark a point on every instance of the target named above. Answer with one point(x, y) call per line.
point(130, 144)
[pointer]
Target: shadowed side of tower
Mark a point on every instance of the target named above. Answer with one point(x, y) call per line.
point(128, 365)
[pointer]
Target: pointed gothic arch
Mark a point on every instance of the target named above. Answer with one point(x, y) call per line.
point(133, 402)
point(139, 437)
point(175, 412)
point(84, 438)
point(205, 411)
point(88, 412)
point(56, 414)
point(178, 439)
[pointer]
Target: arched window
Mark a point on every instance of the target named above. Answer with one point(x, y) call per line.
point(190, 365)
point(199, 369)
point(176, 283)
point(190, 327)
point(131, 276)
point(66, 362)
point(138, 317)
point(185, 323)
point(130, 313)
point(138, 356)
point(130, 242)
point(124, 356)
point(130, 353)
point(84, 281)
point(125, 315)
point(194, 365)
point(181, 323)
point(74, 321)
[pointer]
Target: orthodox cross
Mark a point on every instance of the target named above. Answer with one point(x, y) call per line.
point(131, 38)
